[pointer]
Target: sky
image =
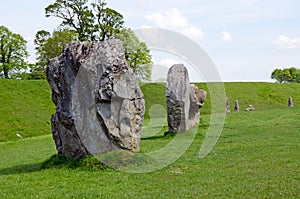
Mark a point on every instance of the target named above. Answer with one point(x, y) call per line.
point(246, 40)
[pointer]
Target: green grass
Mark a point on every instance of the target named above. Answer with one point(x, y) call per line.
point(257, 155)
point(26, 106)
point(25, 109)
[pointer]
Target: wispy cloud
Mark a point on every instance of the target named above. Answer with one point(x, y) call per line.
point(288, 42)
point(174, 20)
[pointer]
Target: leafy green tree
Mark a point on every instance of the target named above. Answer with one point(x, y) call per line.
point(137, 54)
point(49, 46)
point(99, 24)
point(294, 75)
point(277, 75)
point(286, 75)
point(12, 52)
point(110, 22)
point(76, 15)
point(41, 38)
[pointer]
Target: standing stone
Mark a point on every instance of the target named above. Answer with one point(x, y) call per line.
point(99, 104)
point(178, 100)
point(290, 102)
point(236, 106)
point(197, 98)
point(227, 106)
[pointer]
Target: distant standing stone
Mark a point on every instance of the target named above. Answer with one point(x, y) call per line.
point(236, 106)
point(290, 102)
point(227, 106)
point(178, 100)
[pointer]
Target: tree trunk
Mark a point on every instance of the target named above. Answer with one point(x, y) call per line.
point(5, 71)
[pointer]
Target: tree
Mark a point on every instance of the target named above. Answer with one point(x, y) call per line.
point(137, 54)
point(75, 15)
point(99, 24)
point(49, 46)
point(110, 22)
point(12, 52)
point(286, 75)
point(277, 75)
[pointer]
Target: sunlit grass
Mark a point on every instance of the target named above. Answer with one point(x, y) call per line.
point(257, 155)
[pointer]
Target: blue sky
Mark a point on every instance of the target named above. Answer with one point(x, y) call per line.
point(245, 39)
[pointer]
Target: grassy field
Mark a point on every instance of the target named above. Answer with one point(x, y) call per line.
point(257, 155)
point(25, 109)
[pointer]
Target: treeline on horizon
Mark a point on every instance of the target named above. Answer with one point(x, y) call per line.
point(286, 75)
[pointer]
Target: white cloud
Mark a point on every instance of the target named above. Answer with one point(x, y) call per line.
point(174, 20)
point(226, 36)
point(287, 42)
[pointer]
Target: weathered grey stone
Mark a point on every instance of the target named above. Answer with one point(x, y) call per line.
point(290, 102)
point(250, 108)
point(197, 99)
point(236, 106)
point(99, 104)
point(178, 100)
point(227, 105)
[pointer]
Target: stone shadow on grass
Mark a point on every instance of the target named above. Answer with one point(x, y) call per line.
point(56, 162)
point(25, 168)
point(165, 135)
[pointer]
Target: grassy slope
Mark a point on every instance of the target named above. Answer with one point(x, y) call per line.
point(261, 95)
point(25, 108)
point(256, 156)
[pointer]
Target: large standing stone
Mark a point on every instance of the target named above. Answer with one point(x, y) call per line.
point(197, 98)
point(178, 100)
point(99, 104)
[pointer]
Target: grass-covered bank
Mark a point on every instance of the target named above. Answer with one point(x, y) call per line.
point(26, 106)
point(25, 109)
point(261, 95)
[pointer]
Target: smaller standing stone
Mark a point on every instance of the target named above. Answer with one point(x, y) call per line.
point(178, 98)
point(290, 102)
point(197, 99)
point(227, 106)
point(236, 106)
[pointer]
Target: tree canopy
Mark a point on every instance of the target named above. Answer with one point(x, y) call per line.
point(13, 52)
point(109, 21)
point(75, 15)
point(137, 54)
point(286, 75)
point(97, 22)
point(49, 46)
